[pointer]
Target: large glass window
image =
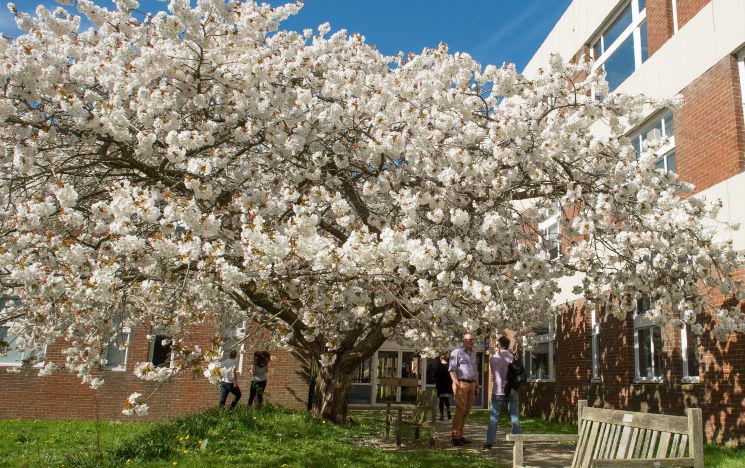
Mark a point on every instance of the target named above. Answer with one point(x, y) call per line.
point(160, 351)
point(116, 351)
point(621, 47)
point(360, 393)
point(10, 354)
point(647, 345)
point(659, 130)
point(551, 236)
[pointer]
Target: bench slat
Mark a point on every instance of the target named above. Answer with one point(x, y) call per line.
point(682, 447)
point(623, 443)
point(632, 443)
point(601, 440)
point(615, 431)
point(664, 445)
point(659, 422)
point(590, 444)
point(583, 432)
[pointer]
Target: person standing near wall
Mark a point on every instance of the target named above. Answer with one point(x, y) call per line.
point(462, 368)
point(444, 384)
point(259, 377)
point(504, 390)
point(229, 383)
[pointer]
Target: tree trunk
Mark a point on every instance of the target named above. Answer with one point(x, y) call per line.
point(331, 393)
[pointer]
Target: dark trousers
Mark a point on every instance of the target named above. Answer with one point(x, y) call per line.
point(257, 390)
point(444, 403)
point(226, 388)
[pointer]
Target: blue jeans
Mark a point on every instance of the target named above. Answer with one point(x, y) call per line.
point(513, 407)
point(227, 388)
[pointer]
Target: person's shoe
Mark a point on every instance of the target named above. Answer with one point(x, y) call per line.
point(487, 447)
point(465, 441)
point(448, 415)
point(456, 442)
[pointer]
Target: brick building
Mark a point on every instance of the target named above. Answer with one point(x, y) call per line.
point(694, 48)
point(657, 47)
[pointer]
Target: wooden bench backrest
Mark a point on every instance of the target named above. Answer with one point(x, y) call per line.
point(425, 400)
point(613, 434)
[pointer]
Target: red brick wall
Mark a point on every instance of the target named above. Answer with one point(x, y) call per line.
point(687, 9)
point(709, 130)
point(659, 23)
point(62, 396)
point(720, 393)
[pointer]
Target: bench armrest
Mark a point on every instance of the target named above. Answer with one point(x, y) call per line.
point(542, 437)
point(687, 461)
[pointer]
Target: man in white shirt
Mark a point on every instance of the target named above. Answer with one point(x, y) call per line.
point(228, 383)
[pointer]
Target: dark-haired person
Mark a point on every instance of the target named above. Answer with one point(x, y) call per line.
point(229, 384)
point(259, 377)
point(502, 393)
point(443, 384)
point(462, 368)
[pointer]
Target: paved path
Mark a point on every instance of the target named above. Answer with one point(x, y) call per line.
point(552, 455)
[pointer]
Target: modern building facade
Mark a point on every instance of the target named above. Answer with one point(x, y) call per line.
point(659, 48)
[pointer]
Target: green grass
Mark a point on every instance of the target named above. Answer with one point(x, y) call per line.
point(528, 425)
point(48, 443)
point(267, 437)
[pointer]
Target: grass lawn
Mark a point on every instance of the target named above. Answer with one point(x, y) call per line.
point(267, 437)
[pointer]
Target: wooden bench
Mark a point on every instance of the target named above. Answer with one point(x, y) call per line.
point(426, 405)
point(613, 438)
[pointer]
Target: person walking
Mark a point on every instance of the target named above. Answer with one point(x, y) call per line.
point(504, 392)
point(462, 369)
point(228, 383)
point(259, 377)
point(443, 384)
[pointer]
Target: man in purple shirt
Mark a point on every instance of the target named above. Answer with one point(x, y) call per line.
point(462, 370)
point(499, 364)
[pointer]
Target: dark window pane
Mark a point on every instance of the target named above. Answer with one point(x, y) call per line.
point(597, 49)
point(621, 64)
point(643, 34)
point(410, 367)
point(660, 164)
point(619, 25)
point(645, 353)
point(386, 393)
point(363, 372)
point(161, 351)
point(387, 364)
point(116, 352)
point(692, 353)
point(360, 394)
point(642, 5)
point(657, 342)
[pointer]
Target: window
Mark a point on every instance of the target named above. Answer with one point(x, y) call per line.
point(647, 345)
point(621, 47)
point(10, 355)
point(674, 7)
point(160, 351)
point(741, 59)
point(595, 342)
point(550, 239)
point(689, 352)
point(360, 392)
point(116, 351)
point(539, 354)
point(233, 332)
point(653, 131)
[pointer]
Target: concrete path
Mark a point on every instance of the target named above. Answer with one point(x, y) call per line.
point(551, 455)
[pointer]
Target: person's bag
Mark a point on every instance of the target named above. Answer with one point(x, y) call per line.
point(515, 374)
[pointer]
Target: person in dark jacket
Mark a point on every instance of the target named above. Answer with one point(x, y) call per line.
point(444, 384)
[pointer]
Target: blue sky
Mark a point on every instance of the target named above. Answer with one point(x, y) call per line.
point(491, 31)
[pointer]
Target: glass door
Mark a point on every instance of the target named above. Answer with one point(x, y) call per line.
point(387, 389)
point(399, 377)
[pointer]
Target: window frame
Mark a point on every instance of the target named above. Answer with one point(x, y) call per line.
point(662, 152)
point(151, 350)
point(549, 338)
point(633, 30)
point(543, 229)
point(741, 66)
point(236, 332)
point(641, 322)
point(674, 5)
point(123, 366)
point(595, 330)
point(25, 354)
point(687, 378)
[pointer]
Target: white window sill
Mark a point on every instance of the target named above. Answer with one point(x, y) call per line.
point(20, 364)
point(690, 380)
point(539, 380)
point(114, 369)
point(595, 380)
point(648, 380)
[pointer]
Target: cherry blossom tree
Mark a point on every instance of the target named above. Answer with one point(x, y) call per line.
point(200, 163)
